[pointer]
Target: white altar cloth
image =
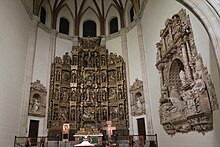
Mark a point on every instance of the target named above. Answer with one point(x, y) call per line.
point(84, 143)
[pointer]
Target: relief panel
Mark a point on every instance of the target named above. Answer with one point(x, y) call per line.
point(188, 96)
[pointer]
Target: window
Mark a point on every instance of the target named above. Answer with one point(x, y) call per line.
point(43, 15)
point(89, 29)
point(132, 14)
point(114, 25)
point(64, 26)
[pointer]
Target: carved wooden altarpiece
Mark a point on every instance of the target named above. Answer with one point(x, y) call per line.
point(188, 97)
point(87, 89)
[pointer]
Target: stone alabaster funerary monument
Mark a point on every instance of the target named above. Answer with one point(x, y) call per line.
point(188, 96)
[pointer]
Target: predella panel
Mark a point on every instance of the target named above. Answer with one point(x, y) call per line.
point(188, 97)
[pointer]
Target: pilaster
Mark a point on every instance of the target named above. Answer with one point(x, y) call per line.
point(28, 75)
point(125, 57)
point(51, 56)
point(145, 77)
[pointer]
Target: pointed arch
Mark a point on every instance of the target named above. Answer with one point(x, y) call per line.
point(113, 25)
point(47, 6)
point(65, 12)
point(89, 14)
point(114, 13)
point(89, 28)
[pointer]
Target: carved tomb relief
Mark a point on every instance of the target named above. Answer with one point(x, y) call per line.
point(188, 97)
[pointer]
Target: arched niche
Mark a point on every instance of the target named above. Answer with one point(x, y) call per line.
point(37, 102)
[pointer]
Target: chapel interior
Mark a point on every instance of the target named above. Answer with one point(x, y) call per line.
point(110, 73)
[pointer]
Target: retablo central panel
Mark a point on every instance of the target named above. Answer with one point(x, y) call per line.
point(88, 89)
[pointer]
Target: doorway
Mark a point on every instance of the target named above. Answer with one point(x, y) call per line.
point(141, 127)
point(33, 131)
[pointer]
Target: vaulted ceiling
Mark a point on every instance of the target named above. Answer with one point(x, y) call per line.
point(77, 9)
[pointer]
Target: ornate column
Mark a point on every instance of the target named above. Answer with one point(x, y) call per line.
point(51, 56)
point(145, 77)
point(185, 60)
point(23, 129)
point(125, 57)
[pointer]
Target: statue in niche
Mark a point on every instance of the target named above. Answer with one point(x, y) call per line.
point(64, 115)
point(97, 114)
point(164, 91)
point(65, 77)
point(58, 60)
point(112, 93)
point(112, 76)
point(75, 61)
point(57, 94)
point(121, 112)
point(64, 95)
point(36, 103)
point(73, 77)
point(37, 100)
point(198, 89)
point(104, 114)
point(88, 100)
point(97, 61)
point(114, 112)
point(176, 26)
point(104, 94)
point(73, 114)
point(66, 59)
point(119, 93)
point(58, 75)
point(182, 77)
point(103, 77)
point(73, 94)
point(169, 40)
point(87, 58)
point(137, 98)
point(55, 114)
point(139, 105)
point(103, 61)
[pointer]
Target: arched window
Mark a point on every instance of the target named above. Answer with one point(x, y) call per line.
point(64, 26)
point(132, 14)
point(43, 14)
point(114, 25)
point(89, 29)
